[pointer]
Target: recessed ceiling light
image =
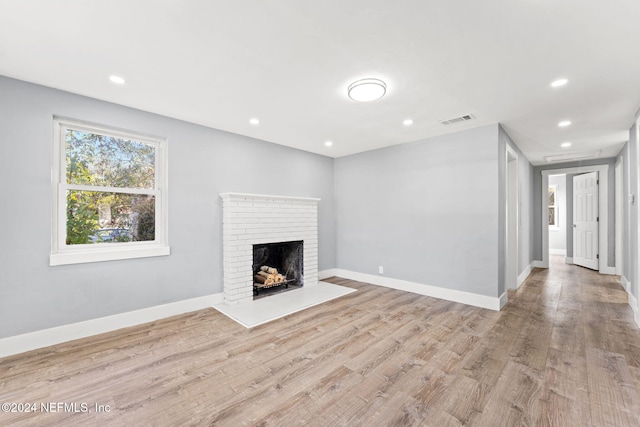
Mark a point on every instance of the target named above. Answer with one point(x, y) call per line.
point(366, 90)
point(407, 122)
point(559, 82)
point(565, 144)
point(564, 123)
point(328, 143)
point(254, 122)
point(117, 80)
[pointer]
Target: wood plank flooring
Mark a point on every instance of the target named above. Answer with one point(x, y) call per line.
point(564, 352)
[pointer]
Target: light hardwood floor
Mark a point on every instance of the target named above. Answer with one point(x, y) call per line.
point(563, 352)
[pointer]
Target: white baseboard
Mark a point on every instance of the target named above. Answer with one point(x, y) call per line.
point(504, 299)
point(324, 274)
point(608, 270)
point(568, 260)
point(557, 252)
point(625, 283)
point(633, 303)
point(525, 273)
point(540, 264)
point(477, 300)
point(46, 337)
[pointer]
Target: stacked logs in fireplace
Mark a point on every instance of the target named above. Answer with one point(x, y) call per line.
point(269, 277)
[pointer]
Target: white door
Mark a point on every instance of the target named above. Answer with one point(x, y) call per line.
point(585, 220)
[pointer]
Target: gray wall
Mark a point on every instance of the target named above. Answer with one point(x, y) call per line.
point(203, 162)
point(558, 237)
point(427, 211)
point(537, 206)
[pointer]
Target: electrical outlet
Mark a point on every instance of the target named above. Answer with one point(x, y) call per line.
point(381, 269)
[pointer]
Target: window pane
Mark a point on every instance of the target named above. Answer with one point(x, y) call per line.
point(552, 196)
point(93, 159)
point(552, 216)
point(99, 217)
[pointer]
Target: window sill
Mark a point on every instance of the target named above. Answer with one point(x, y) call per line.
point(66, 258)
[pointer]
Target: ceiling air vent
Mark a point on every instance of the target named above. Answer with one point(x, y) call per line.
point(572, 156)
point(454, 120)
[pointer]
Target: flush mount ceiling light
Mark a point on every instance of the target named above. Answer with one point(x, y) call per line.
point(328, 143)
point(117, 80)
point(565, 144)
point(254, 122)
point(564, 123)
point(367, 90)
point(407, 122)
point(559, 82)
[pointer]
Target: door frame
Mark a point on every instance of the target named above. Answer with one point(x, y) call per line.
point(512, 219)
point(603, 208)
point(635, 285)
point(619, 198)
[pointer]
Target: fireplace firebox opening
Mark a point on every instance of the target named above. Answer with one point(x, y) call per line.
point(277, 267)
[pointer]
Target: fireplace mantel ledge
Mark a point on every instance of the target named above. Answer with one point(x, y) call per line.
point(267, 196)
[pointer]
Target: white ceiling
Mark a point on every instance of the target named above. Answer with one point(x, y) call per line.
point(289, 62)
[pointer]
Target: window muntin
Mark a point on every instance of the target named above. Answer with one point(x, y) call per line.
point(108, 194)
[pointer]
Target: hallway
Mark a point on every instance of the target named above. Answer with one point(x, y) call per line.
point(592, 366)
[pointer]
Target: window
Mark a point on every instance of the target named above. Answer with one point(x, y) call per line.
point(553, 207)
point(109, 194)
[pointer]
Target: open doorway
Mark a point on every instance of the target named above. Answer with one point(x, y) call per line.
point(572, 214)
point(557, 219)
point(512, 221)
point(619, 199)
point(603, 221)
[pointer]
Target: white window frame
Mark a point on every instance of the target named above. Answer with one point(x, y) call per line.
point(61, 253)
point(555, 208)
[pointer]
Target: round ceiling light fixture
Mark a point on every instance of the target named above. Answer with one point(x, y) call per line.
point(564, 123)
point(367, 90)
point(407, 122)
point(566, 144)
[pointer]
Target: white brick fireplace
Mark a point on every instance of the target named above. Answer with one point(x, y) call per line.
point(252, 219)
